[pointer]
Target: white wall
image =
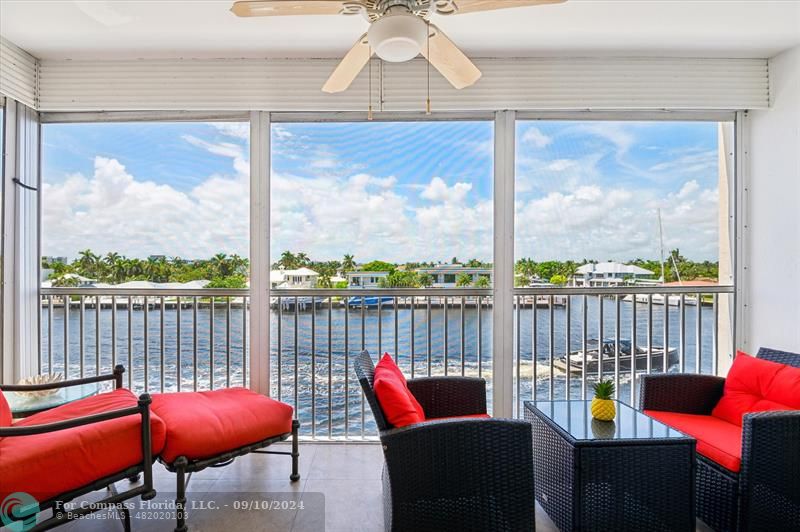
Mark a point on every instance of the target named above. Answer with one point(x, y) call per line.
point(772, 254)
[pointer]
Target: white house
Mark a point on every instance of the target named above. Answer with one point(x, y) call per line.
point(446, 275)
point(299, 278)
point(609, 274)
point(361, 279)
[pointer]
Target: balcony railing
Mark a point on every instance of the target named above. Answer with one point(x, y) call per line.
point(198, 339)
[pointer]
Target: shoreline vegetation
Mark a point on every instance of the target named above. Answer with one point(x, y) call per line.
point(232, 271)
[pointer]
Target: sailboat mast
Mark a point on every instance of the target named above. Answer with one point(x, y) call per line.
point(661, 246)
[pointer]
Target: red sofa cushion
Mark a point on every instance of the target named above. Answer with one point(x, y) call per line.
point(205, 424)
point(397, 402)
point(5, 411)
point(717, 439)
point(755, 385)
point(45, 465)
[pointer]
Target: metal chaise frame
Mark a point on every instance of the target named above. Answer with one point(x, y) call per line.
point(184, 468)
point(145, 490)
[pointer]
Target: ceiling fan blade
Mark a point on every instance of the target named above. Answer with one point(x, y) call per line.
point(349, 67)
point(275, 8)
point(474, 6)
point(451, 62)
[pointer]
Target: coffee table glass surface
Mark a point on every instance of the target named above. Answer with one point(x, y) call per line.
point(25, 403)
point(575, 419)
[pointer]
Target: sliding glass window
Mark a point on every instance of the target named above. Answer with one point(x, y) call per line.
point(396, 218)
point(622, 252)
point(137, 217)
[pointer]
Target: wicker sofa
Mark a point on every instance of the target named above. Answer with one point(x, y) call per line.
point(765, 493)
point(458, 473)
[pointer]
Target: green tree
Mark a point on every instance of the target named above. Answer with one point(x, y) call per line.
point(324, 280)
point(288, 260)
point(425, 279)
point(400, 279)
point(348, 264)
point(378, 266)
point(558, 279)
point(463, 279)
point(483, 282)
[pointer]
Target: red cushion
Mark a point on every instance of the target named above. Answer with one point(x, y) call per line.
point(205, 424)
point(717, 439)
point(397, 402)
point(754, 384)
point(5, 411)
point(45, 465)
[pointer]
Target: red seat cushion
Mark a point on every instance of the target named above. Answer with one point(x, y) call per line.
point(45, 465)
point(205, 424)
point(755, 385)
point(397, 402)
point(717, 439)
point(5, 411)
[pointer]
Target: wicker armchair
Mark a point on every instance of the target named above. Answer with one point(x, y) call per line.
point(765, 493)
point(453, 474)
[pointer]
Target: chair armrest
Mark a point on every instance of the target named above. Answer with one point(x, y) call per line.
point(459, 465)
point(115, 376)
point(449, 396)
point(143, 409)
point(687, 393)
point(770, 473)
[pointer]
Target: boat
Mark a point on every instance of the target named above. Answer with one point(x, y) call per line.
point(369, 301)
point(656, 355)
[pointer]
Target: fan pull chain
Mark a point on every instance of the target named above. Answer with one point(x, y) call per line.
point(428, 54)
point(369, 73)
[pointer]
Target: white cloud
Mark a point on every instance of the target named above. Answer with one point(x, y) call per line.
point(437, 190)
point(600, 223)
point(535, 137)
point(111, 210)
point(239, 130)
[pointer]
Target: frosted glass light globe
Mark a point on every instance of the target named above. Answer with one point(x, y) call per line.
point(398, 38)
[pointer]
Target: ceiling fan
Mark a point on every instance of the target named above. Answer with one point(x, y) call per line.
point(399, 31)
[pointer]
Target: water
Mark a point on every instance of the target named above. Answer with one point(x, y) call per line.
point(336, 340)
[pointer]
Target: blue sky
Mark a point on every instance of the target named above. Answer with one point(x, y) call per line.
point(393, 191)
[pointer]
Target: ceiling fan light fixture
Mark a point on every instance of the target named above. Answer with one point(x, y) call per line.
point(398, 38)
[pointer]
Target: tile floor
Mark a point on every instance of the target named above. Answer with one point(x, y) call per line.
point(345, 476)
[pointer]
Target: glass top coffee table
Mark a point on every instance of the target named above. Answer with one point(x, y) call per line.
point(633, 473)
point(25, 404)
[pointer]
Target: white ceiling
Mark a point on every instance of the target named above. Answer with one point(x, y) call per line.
point(57, 29)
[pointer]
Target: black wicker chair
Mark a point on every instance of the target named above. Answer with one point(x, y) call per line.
point(765, 493)
point(453, 474)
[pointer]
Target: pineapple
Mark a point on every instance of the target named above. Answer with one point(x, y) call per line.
point(603, 407)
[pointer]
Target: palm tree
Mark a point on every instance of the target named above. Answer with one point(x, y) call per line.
point(302, 259)
point(464, 279)
point(88, 262)
point(348, 264)
point(483, 282)
point(288, 260)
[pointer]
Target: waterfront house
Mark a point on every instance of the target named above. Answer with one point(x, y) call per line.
point(446, 275)
point(609, 274)
point(297, 278)
point(365, 279)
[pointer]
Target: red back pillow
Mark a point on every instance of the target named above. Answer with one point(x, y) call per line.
point(5, 412)
point(399, 405)
point(754, 385)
